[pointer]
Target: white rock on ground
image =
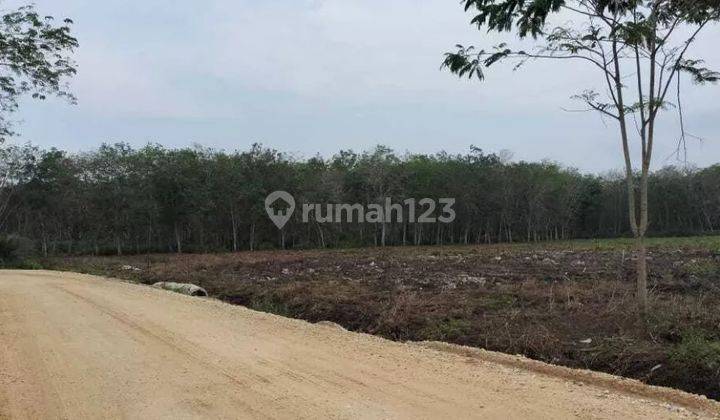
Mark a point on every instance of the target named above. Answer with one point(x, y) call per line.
point(184, 288)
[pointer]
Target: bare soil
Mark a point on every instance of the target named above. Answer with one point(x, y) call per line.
point(78, 346)
point(563, 304)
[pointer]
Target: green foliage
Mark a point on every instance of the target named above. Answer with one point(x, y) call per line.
point(703, 242)
point(16, 252)
point(697, 351)
point(34, 59)
point(119, 200)
point(271, 306)
point(703, 269)
point(528, 15)
point(600, 33)
point(446, 329)
point(699, 74)
point(26, 265)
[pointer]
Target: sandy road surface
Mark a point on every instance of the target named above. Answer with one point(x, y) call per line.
point(75, 346)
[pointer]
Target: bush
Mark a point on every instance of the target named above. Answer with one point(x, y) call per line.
point(695, 363)
point(697, 351)
point(446, 330)
point(17, 252)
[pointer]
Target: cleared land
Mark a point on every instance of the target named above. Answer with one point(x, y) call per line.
point(566, 303)
point(77, 346)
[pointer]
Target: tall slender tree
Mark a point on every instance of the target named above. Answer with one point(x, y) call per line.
point(639, 48)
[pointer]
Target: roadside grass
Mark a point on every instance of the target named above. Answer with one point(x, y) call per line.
point(18, 253)
point(696, 349)
point(570, 303)
point(711, 243)
point(22, 265)
point(446, 329)
point(270, 306)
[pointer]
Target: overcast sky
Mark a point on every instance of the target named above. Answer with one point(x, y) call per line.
point(317, 76)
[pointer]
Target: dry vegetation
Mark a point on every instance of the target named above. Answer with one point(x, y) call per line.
point(567, 303)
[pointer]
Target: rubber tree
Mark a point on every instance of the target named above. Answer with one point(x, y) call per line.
point(35, 60)
point(16, 163)
point(638, 50)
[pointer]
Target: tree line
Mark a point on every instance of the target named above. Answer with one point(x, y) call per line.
point(119, 200)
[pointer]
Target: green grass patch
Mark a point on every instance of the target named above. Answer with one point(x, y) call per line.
point(497, 302)
point(711, 243)
point(697, 351)
point(446, 329)
point(703, 268)
point(266, 304)
point(26, 265)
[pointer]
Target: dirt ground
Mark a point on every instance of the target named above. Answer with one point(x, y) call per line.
point(570, 304)
point(78, 346)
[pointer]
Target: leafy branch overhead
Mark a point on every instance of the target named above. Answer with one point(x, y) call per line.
point(35, 59)
point(610, 32)
point(645, 40)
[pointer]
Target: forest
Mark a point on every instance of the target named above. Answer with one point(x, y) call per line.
point(121, 200)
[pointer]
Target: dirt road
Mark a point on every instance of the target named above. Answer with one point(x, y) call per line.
point(76, 346)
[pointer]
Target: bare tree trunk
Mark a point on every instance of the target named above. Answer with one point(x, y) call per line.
point(642, 271)
point(252, 237)
point(234, 230)
point(149, 240)
point(321, 235)
point(178, 240)
point(382, 234)
point(642, 274)
point(707, 218)
point(637, 231)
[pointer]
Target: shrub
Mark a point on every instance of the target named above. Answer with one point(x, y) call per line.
point(697, 351)
point(16, 251)
point(446, 329)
